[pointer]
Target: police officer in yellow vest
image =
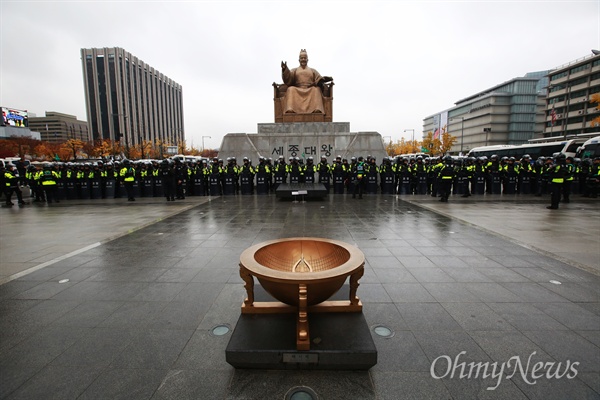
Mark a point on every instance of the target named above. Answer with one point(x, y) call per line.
point(556, 178)
point(570, 170)
point(49, 179)
point(11, 179)
point(127, 174)
point(445, 178)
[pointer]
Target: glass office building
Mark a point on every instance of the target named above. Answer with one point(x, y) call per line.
point(509, 113)
point(129, 101)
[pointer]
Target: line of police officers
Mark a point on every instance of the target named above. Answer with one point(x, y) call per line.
point(441, 177)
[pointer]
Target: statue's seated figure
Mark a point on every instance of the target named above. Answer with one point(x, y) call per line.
point(305, 95)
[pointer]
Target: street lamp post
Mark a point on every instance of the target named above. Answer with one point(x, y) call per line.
point(412, 144)
point(125, 116)
point(203, 141)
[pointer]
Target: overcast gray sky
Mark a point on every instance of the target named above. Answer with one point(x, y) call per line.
point(393, 62)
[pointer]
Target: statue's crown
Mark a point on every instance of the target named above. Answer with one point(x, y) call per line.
point(303, 51)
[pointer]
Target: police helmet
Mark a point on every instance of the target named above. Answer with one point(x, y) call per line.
point(526, 156)
point(360, 158)
point(419, 158)
point(494, 157)
point(511, 159)
point(310, 158)
point(447, 158)
point(353, 158)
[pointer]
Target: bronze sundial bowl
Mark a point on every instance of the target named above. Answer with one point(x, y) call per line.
point(302, 273)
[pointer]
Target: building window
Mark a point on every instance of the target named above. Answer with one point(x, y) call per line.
point(560, 75)
point(579, 69)
point(579, 81)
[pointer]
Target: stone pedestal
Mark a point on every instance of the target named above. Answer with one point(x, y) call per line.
point(340, 341)
point(303, 139)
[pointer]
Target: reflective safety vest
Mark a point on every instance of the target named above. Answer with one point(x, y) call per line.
point(360, 170)
point(48, 178)
point(128, 174)
point(558, 177)
point(447, 172)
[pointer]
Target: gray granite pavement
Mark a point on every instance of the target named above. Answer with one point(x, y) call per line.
point(454, 284)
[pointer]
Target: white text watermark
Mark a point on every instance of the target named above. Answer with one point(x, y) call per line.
point(530, 372)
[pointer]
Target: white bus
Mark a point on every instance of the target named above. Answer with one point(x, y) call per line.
point(535, 150)
point(590, 148)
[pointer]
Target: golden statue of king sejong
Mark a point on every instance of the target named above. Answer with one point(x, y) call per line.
point(305, 86)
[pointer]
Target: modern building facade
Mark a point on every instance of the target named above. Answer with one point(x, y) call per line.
point(129, 101)
point(57, 127)
point(509, 113)
point(569, 110)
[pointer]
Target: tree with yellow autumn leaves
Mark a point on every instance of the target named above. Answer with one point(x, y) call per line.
point(434, 146)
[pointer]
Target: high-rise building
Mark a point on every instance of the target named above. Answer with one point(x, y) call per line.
point(509, 113)
point(569, 110)
point(58, 127)
point(130, 101)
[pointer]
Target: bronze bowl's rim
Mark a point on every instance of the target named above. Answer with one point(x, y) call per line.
point(355, 261)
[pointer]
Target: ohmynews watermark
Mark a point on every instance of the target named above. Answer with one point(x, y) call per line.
point(529, 372)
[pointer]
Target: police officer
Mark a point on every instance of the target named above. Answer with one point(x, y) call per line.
point(446, 176)
point(32, 175)
point(386, 175)
point(263, 171)
point(593, 179)
point(49, 180)
point(280, 173)
point(510, 173)
point(167, 177)
point(11, 182)
point(359, 176)
point(127, 174)
point(246, 173)
point(569, 177)
point(230, 177)
point(309, 171)
point(324, 171)
point(214, 178)
point(294, 170)
point(556, 178)
point(525, 174)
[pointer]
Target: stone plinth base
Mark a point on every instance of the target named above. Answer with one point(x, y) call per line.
point(339, 341)
point(303, 140)
point(301, 191)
